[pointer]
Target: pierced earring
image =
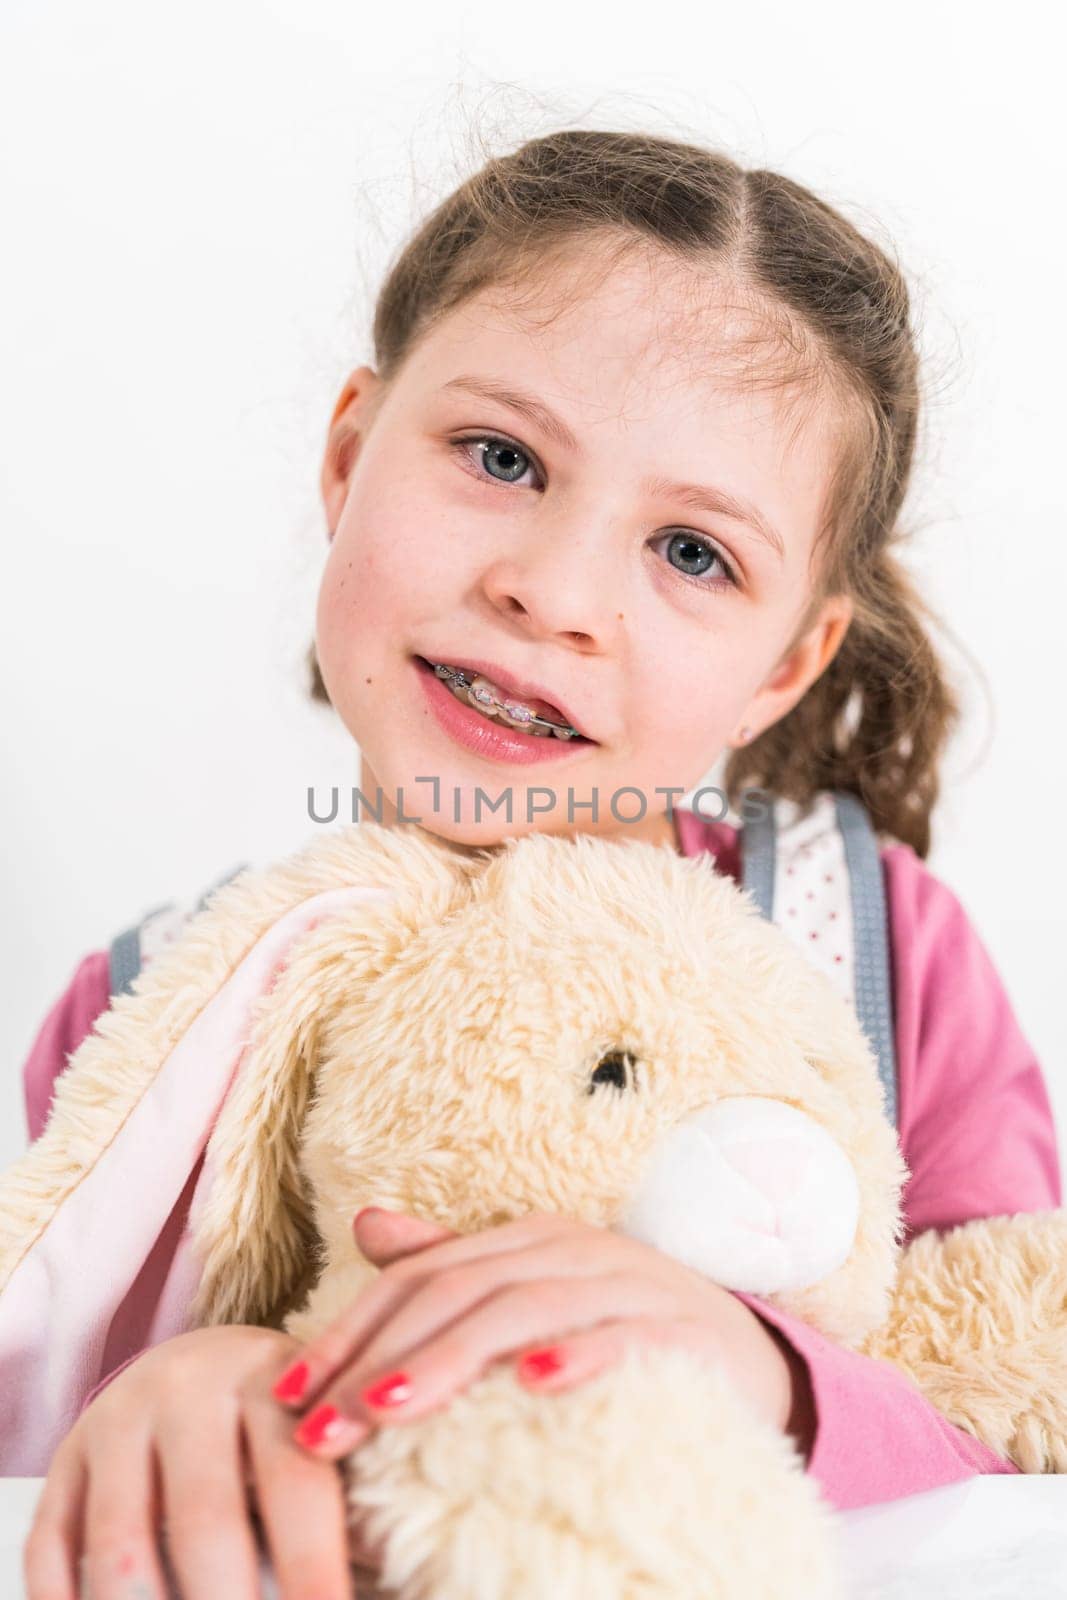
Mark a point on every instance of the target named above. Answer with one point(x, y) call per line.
point(745, 734)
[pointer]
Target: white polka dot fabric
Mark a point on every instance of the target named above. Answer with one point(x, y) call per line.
point(812, 902)
point(163, 927)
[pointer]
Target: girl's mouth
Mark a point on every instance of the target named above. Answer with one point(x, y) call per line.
point(501, 737)
point(492, 703)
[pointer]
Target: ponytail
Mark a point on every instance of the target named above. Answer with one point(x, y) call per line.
point(874, 723)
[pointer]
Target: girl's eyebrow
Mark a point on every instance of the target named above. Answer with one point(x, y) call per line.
point(698, 497)
point(525, 404)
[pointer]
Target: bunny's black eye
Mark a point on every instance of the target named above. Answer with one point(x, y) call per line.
point(617, 1068)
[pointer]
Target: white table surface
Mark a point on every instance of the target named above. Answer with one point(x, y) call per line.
point(988, 1538)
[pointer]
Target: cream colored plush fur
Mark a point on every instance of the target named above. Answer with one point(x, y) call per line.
point(434, 1053)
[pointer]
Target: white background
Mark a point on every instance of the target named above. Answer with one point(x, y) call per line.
point(197, 205)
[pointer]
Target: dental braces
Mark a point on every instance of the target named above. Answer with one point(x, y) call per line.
point(514, 709)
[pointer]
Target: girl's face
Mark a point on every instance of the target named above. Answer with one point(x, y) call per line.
point(551, 535)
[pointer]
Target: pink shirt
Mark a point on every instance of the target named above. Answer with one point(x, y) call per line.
point(976, 1129)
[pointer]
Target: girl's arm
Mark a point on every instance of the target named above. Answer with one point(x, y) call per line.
point(978, 1134)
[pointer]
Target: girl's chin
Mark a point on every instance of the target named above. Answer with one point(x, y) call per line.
point(458, 805)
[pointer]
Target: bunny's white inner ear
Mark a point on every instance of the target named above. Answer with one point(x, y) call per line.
point(752, 1193)
point(240, 1220)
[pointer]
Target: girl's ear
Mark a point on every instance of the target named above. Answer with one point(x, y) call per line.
point(363, 391)
point(251, 1218)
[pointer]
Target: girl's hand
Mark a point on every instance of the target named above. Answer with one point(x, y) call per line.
point(180, 1433)
point(445, 1306)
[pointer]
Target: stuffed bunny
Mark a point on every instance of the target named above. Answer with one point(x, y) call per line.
point(594, 1028)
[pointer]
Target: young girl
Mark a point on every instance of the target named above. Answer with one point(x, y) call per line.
point(634, 451)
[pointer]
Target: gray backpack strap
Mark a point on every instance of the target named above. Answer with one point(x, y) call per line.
point(759, 846)
point(870, 921)
point(872, 985)
point(124, 957)
point(130, 950)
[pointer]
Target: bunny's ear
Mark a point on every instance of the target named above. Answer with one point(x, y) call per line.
point(94, 1264)
point(251, 1221)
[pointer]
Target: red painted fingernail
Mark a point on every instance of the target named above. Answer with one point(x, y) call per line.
point(320, 1426)
point(293, 1382)
point(390, 1391)
point(541, 1363)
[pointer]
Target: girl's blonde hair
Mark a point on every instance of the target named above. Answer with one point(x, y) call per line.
point(833, 311)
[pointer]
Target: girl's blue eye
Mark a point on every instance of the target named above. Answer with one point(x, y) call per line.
point(510, 457)
point(514, 462)
point(693, 549)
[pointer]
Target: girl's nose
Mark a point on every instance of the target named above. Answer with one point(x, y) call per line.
point(560, 582)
